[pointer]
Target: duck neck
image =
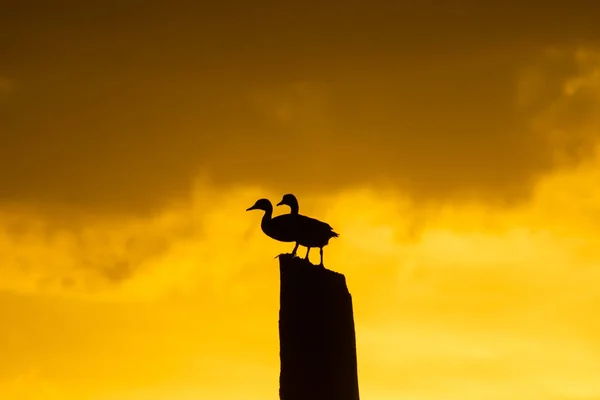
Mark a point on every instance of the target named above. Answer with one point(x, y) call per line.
point(266, 217)
point(294, 208)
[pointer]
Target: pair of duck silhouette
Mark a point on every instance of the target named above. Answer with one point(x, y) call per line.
point(294, 227)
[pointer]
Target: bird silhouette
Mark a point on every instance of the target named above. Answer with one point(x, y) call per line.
point(290, 200)
point(281, 228)
point(310, 232)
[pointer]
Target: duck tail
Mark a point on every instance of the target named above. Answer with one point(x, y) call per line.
point(334, 234)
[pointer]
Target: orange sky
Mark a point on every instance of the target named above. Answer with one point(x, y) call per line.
point(454, 149)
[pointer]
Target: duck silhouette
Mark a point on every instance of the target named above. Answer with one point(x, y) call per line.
point(281, 228)
point(290, 200)
point(310, 232)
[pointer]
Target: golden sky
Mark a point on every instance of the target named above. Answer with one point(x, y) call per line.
point(453, 146)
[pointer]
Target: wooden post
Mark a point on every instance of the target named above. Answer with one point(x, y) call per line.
point(316, 334)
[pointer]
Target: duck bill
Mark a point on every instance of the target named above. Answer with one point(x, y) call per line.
point(251, 208)
point(280, 203)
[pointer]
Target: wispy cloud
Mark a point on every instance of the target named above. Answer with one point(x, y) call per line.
point(562, 90)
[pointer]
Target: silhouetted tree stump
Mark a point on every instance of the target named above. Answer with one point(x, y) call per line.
point(316, 334)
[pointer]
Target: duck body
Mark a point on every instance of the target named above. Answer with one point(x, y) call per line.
point(310, 232)
point(281, 228)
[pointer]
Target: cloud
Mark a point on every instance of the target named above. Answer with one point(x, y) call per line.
point(567, 121)
point(40, 257)
point(189, 242)
point(437, 134)
point(211, 245)
point(446, 291)
point(416, 131)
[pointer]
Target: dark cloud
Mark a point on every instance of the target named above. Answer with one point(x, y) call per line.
point(119, 109)
point(89, 256)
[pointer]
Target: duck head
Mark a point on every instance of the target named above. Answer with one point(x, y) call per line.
point(288, 200)
point(262, 204)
